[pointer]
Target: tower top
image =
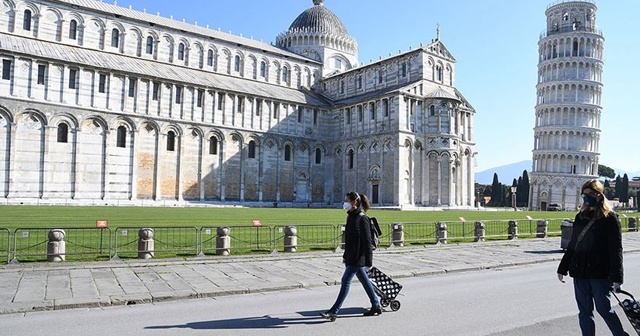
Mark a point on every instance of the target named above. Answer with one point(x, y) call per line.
point(438, 32)
point(318, 2)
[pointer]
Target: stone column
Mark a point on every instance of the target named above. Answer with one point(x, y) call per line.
point(480, 232)
point(633, 224)
point(542, 229)
point(290, 239)
point(56, 249)
point(441, 232)
point(223, 241)
point(145, 243)
point(397, 235)
point(513, 230)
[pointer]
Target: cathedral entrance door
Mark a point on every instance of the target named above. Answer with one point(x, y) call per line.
point(301, 191)
point(375, 189)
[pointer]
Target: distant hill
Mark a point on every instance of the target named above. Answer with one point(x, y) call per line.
point(506, 173)
point(630, 175)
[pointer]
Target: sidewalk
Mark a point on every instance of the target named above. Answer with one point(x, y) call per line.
point(48, 286)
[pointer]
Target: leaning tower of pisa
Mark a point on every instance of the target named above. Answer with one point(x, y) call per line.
point(568, 108)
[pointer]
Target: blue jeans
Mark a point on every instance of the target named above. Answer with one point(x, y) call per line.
point(345, 283)
point(589, 291)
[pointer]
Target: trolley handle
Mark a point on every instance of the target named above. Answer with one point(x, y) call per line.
point(623, 292)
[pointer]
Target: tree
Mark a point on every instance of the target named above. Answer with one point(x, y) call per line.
point(496, 192)
point(624, 189)
point(606, 171)
point(523, 190)
point(618, 187)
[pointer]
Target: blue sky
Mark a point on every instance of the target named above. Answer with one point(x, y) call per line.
point(495, 43)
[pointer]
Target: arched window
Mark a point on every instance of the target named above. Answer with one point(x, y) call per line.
point(115, 38)
point(236, 66)
point(63, 133)
point(263, 69)
point(121, 137)
point(213, 146)
point(26, 23)
point(287, 153)
point(350, 157)
point(181, 52)
point(171, 141)
point(73, 29)
point(150, 45)
point(432, 110)
point(210, 58)
point(318, 156)
point(285, 75)
point(252, 149)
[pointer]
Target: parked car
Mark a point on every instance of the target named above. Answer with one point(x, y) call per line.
point(554, 207)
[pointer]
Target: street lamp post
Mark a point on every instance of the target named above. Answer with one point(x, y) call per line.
point(513, 198)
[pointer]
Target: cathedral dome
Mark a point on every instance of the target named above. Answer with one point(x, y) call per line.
point(319, 19)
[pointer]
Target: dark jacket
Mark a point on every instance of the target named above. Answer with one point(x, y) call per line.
point(358, 247)
point(599, 254)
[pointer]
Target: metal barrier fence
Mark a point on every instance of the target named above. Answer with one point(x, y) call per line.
point(554, 227)
point(243, 238)
point(181, 240)
point(31, 244)
point(416, 232)
point(5, 243)
point(308, 237)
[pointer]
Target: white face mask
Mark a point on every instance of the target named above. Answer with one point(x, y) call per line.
point(346, 205)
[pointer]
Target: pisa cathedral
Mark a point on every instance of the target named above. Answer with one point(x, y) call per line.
point(568, 110)
point(101, 104)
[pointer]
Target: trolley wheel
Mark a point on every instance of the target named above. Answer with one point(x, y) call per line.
point(384, 303)
point(395, 305)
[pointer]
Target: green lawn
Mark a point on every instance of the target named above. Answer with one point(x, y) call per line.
point(13, 217)
point(188, 231)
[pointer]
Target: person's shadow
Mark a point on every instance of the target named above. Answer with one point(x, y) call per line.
point(263, 322)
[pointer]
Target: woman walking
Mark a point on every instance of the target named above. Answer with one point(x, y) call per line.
point(358, 254)
point(594, 260)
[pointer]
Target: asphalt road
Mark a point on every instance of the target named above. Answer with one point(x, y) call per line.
point(517, 301)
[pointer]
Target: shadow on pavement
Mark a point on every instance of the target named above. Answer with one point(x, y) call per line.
point(262, 322)
point(545, 252)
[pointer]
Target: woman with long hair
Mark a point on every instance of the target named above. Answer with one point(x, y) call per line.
point(594, 259)
point(358, 254)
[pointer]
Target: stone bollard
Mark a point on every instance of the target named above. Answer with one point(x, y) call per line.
point(342, 243)
point(441, 231)
point(513, 230)
point(542, 229)
point(479, 232)
point(56, 247)
point(290, 238)
point(145, 243)
point(566, 232)
point(397, 235)
point(223, 241)
point(633, 224)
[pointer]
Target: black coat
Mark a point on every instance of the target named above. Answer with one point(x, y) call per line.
point(358, 246)
point(599, 254)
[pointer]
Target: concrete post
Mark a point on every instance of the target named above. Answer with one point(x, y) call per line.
point(397, 235)
point(146, 245)
point(633, 224)
point(223, 241)
point(542, 229)
point(566, 232)
point(513, 230)
point(441, 232)
point(56, 247)
point(290, 238)
point(480, 232)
